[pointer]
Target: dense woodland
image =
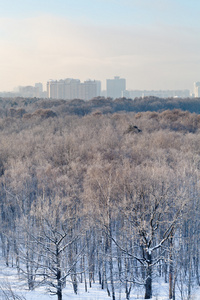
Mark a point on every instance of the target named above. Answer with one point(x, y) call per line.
point(102, 191)
point(17, 107)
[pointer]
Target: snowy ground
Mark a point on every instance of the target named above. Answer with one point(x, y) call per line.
point(9, 278)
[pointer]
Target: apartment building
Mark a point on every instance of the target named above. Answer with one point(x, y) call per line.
point(31, 91)
point(159, 93)
point(70, 88)
point(115, 87)
point(197, 89)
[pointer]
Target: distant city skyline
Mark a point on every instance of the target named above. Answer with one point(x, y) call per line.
point(103, 85)
point(70, 88)
point(44, 86)
point(153, 44)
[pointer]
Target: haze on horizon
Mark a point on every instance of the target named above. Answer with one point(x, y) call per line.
point(154, 44)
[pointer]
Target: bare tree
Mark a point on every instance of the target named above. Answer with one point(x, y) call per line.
point(53, 242)
point(152, 206)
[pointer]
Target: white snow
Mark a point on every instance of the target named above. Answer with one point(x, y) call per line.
point(10, 278)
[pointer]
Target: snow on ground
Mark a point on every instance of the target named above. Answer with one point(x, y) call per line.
point(9, 278)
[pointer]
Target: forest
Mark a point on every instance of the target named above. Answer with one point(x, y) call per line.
point(17, 107)
point(101, 191)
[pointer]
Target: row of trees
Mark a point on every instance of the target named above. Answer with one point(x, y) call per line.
point(93, 199)
point(17, 107)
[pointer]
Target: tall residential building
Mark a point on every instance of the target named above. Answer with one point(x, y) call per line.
point(115, 87)
point(39, 89)
point(89, 89)
point(31, 91)
point(69, 89)
point(197, 89)
point(52, 89)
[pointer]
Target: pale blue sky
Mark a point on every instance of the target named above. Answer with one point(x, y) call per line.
point(154, 44)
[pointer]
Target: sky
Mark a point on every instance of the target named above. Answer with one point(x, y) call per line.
point(154, 44)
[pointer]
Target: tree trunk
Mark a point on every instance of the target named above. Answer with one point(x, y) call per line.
point(58, 275)
point(171, 269)
point(7, 252)
point(111, 261)
point(59, 285)
point(196, 264)
point(148, 283)
point(85, 280)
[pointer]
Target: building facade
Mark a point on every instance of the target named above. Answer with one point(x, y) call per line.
point(115, 87)
point(70, 88)
point(197, 89)
point(160, 93)
point(31, 91)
